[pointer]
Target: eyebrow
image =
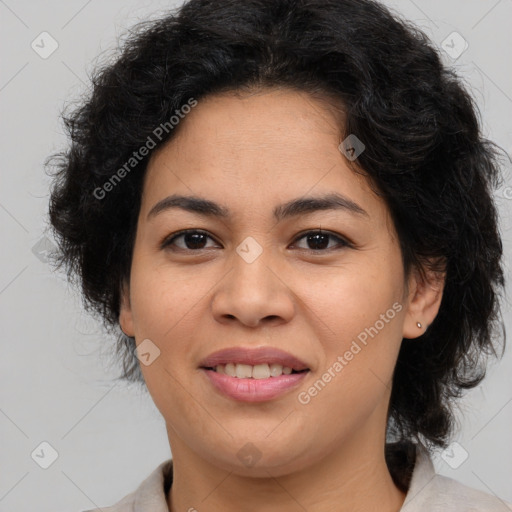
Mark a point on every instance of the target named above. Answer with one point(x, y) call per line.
point(300, 206)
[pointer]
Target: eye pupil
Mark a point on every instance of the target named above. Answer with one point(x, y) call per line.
point(194, 240)
point(320, 240)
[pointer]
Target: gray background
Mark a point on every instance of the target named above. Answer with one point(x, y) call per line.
point(55, 377)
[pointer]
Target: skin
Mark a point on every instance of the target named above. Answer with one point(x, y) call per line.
point(250, 153)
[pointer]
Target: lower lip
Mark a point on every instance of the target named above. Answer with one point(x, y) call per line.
point(254, 390)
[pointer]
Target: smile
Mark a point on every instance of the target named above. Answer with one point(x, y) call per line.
point(258, 371)
point(253, 374)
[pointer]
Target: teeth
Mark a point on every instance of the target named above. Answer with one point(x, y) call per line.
point(276, 370)
point(243, 371)
point(258, 371)
point(229, 369)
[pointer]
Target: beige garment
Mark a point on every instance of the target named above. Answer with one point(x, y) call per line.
point(428, 492)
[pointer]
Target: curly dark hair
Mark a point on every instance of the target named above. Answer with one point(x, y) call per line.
point(425, 155)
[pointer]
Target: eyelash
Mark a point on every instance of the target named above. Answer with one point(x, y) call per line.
point(342, 242)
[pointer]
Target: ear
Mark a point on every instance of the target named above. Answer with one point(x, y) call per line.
point(425, 292)
point(125, 313)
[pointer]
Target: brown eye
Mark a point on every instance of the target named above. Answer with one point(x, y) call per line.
point(188, 240)
point(318, 241)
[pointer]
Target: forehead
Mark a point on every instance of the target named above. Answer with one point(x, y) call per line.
point(255, 150)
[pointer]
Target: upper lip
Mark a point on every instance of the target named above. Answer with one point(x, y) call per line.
point(253, 356)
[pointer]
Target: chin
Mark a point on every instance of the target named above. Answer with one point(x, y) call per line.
point(262, 458)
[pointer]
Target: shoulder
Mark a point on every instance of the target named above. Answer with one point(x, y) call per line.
point(449, 491)
point(430, 492)
point(150, 495)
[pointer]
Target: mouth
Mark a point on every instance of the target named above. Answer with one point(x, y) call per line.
point(258, 371)
point(257, 363)
point(253, 375)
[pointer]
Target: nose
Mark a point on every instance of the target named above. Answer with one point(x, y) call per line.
point(253, 294)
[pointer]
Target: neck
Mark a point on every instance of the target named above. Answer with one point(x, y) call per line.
point(352, 478)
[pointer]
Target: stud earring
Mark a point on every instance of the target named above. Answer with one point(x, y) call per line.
point(418, 324)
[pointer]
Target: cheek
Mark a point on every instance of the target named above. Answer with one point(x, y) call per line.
point(353, 298)
point(357, 373)
point(164, 300)
point(166, 310)
point(364, 315)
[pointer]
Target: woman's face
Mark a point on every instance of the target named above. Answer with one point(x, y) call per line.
point(261, 276)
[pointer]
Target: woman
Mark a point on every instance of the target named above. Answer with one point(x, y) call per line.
point(286, 208)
